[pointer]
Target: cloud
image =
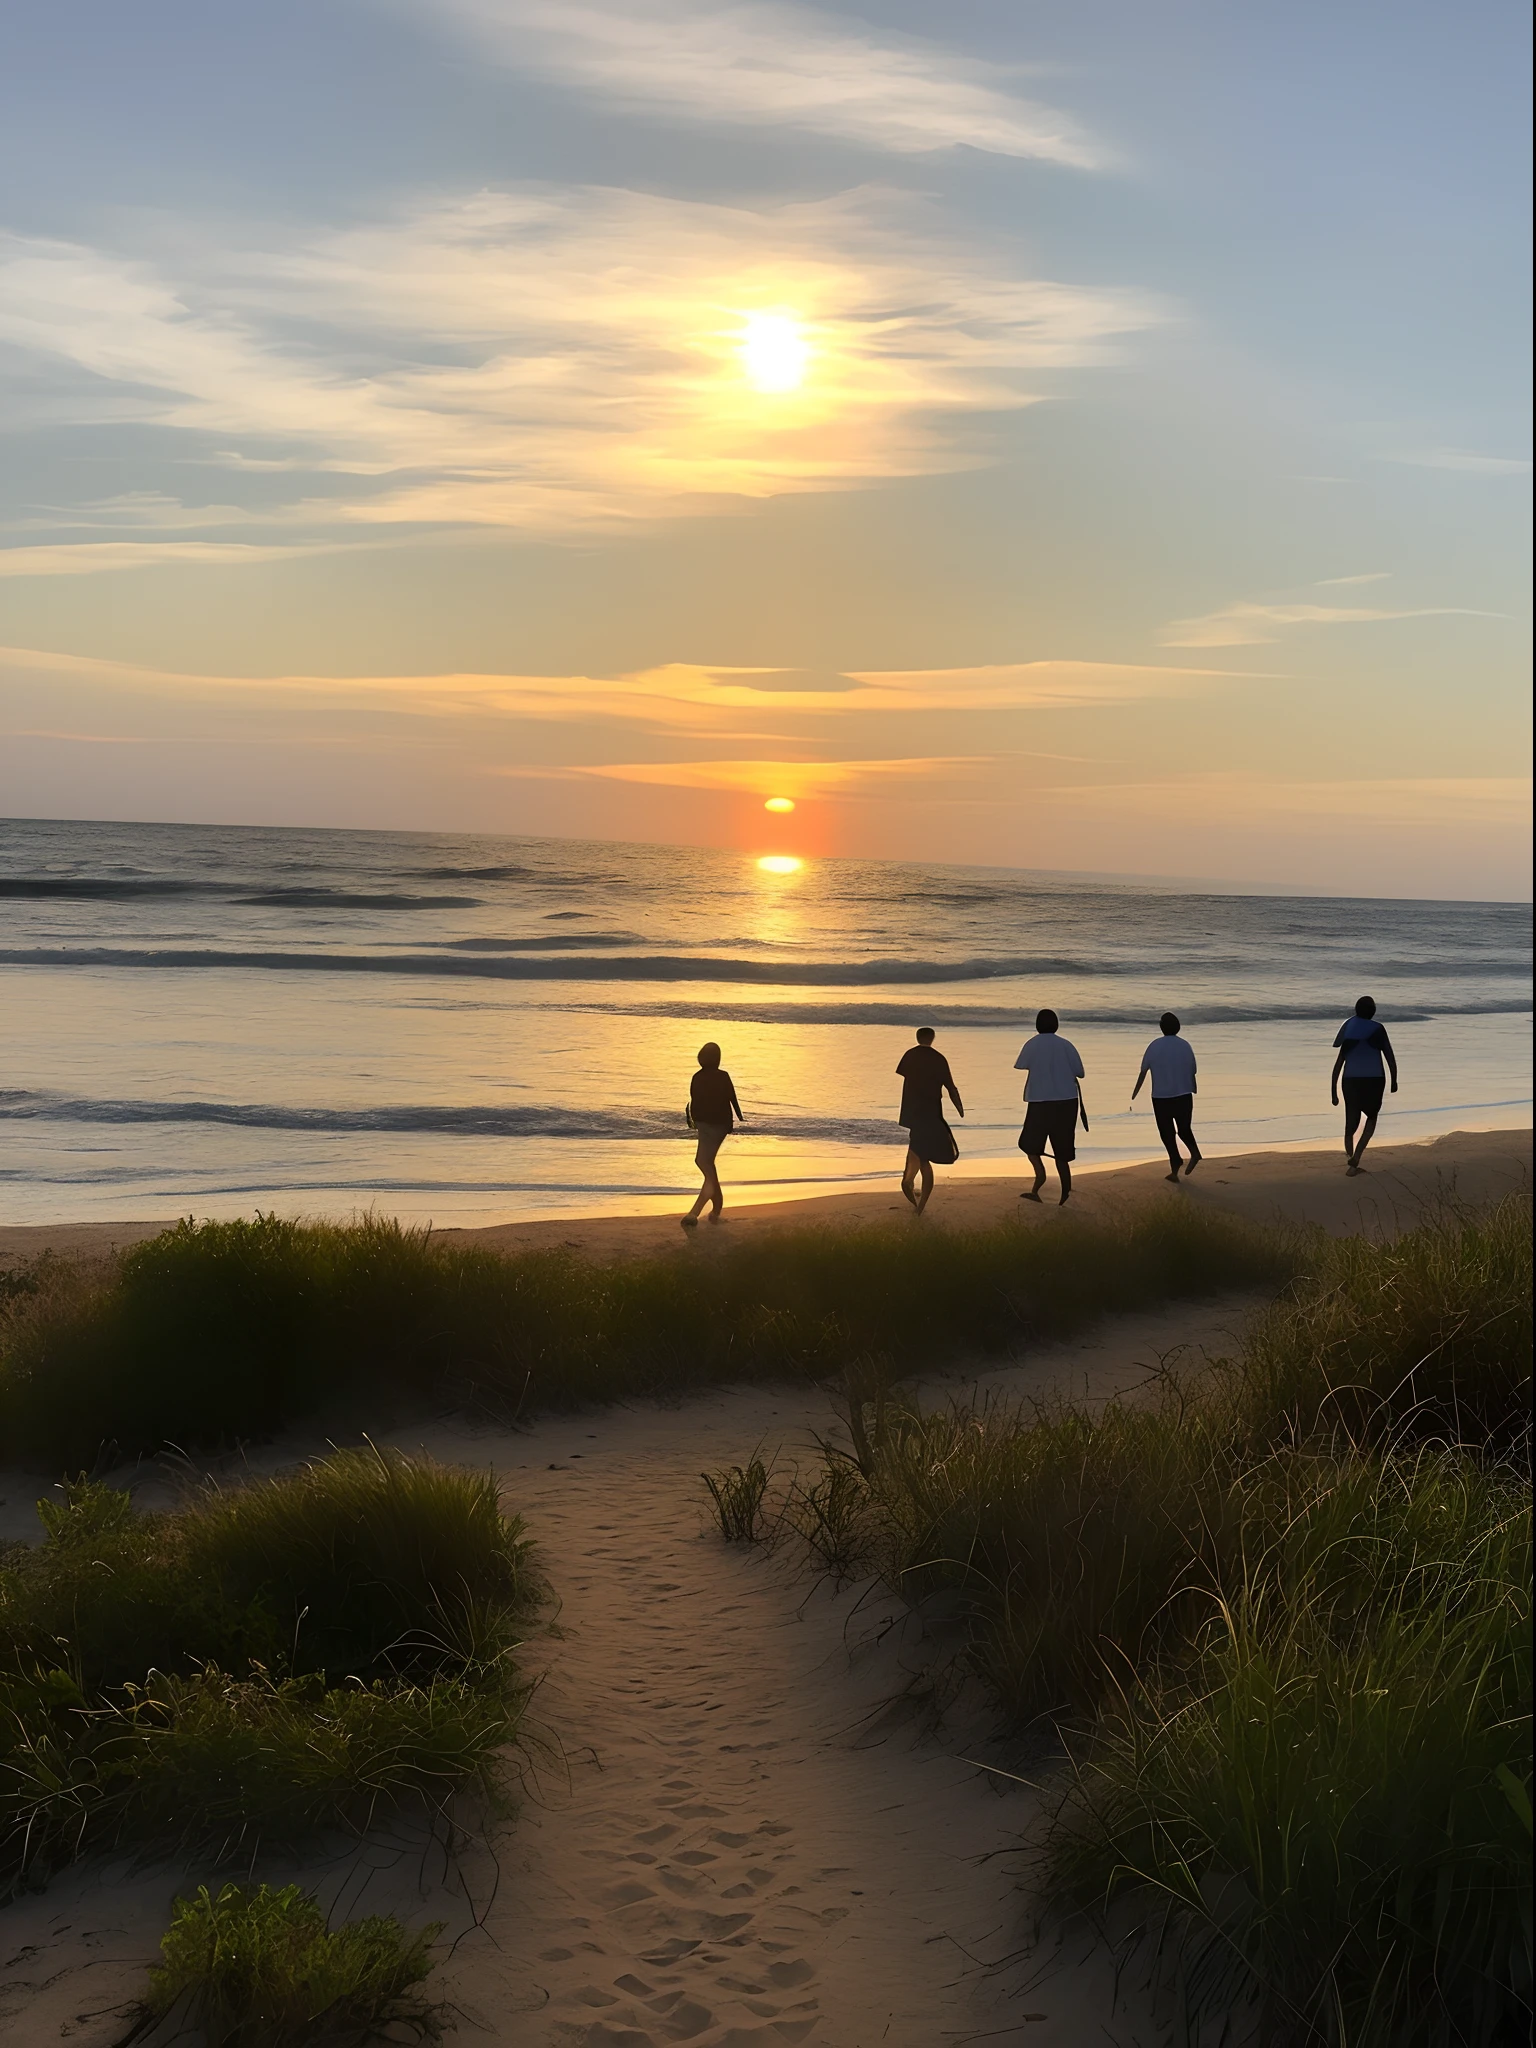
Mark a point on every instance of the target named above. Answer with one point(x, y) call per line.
point(1493, 801)
point(1035, 685)
point(1255, 625)
point(559, 359)
point(1371, 576)
point(678, 698)
point(803, 780)
point(769, 66)
point(1463, 459)
point(92, 558)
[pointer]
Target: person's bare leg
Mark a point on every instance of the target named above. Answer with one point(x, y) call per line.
point(1037, 1161)
point(909, 1174)
point(1364, 1139)
point(926, 1182)
point(1351, 1121)
point(716, 1196)
point(1065, 1172)
point(694, 1213)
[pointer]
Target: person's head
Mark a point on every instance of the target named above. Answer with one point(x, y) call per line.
point(709, 1055)
point(925, 1035)
point(1365, 1007)
point(1047, 1021)
point(1169, 1024)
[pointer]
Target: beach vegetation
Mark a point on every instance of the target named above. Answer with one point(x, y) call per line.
point(737, 1497)
point(268, 1663)
point(219, 1333)
point(259, 1967)
point(1266, 1629)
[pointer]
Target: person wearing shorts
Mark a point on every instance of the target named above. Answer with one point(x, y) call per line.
point(1052, 1099)
point(712, 1111)
point(1363, 1047)
point(925, 1080)
point(1169, 1063)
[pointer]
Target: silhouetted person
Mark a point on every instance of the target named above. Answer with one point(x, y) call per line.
point(1170, 1063)
point(1363, 1045)
point(711, 1104)
point(925, 1080)
point(1052, 1100)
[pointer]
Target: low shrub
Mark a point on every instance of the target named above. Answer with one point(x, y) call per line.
point(217, 1332)
point(270, 1662)
point(259, 1968)
point(1427, 1335)
point(1279, 1618)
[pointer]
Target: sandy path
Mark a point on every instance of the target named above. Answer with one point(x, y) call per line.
point(746, 1845)
point(1298, 1187)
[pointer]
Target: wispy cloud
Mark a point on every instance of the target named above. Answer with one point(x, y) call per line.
point(1255, 625)
point(1466, 460)
point(560, 359)
point(770, 65)
point(1370, 576)
point(94, 558)
point(677, 698)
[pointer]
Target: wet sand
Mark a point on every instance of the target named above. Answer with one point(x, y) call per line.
point(1294, 1187)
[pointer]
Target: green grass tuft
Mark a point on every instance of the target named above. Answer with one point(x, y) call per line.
point(270, 1662)
point(259, 1968)
point(1280, 1618)
point(218, 1332)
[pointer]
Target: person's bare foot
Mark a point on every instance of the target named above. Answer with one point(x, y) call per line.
point(689, 1222)
point(1193, 1162)
point(1066, 1196)
point(911, 1197)
point(1351, 1170)
point(1029, 1194)
point(1172, 1176)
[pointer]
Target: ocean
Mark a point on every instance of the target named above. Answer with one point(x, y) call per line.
point(209, 1020)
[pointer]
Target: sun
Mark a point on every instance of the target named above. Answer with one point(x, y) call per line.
point(780, 864)
point(774, 351)
point(779, 803)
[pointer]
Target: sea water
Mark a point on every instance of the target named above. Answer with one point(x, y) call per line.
point(205, 1020)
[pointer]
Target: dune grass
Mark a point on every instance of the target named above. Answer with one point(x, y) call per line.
point(217, 1333)
point(254, 1967)
point(1278, 1617)
point(270, 1662)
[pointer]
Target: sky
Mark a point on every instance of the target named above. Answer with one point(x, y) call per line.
point(1089, 437)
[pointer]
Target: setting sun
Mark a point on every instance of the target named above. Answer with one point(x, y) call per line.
point(775, 351)
point(780, 864)
point(779, 803)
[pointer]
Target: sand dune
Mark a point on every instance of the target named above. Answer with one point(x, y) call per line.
point(1305, 1186)
point(742, 1831)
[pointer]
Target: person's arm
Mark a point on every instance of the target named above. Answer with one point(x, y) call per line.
point(741, 1114)
point(1333, 1084)
point(1194, 1073)
point(952, 1091)
point(1145, 1070)
point(1384, 1046)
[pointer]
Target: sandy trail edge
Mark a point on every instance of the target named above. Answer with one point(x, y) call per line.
point(741, 1849)
point(1298, 1187)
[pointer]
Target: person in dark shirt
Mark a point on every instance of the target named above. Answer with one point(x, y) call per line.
point(1362, 1045)
point(712, 1108)
point(925, 1080)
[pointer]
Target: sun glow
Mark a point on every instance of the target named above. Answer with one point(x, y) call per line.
point(779, 803)
point(774, 351)
point(780, 864)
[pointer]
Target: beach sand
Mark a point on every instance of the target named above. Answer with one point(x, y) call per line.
point(1296, 1187)
point(744, 1829)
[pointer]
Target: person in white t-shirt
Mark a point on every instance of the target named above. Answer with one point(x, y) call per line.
point(1169, 1062)
point(1052, 1101)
